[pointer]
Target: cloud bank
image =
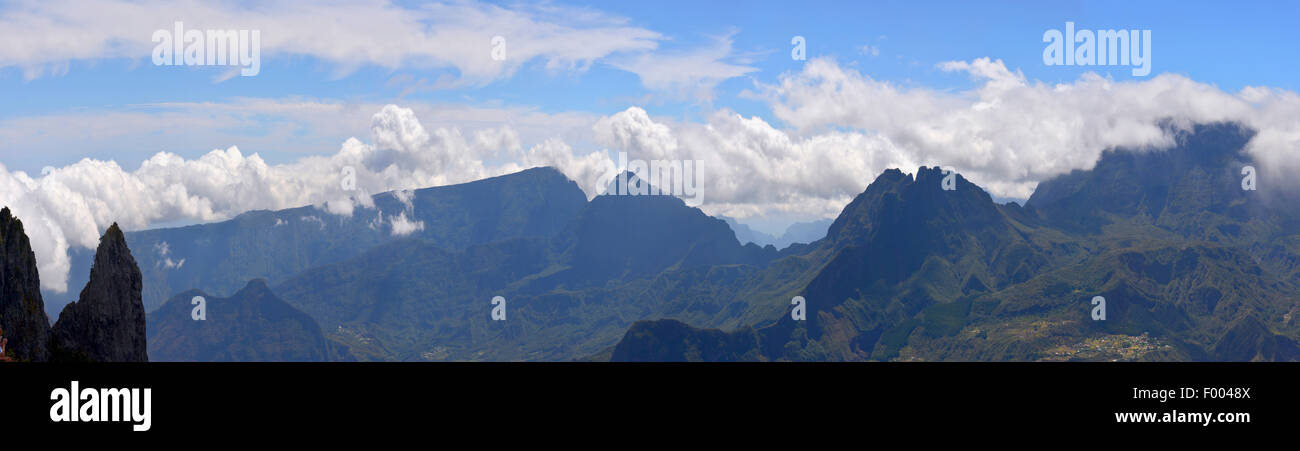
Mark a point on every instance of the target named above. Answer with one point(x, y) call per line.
point(72, 205)
point(834, 129)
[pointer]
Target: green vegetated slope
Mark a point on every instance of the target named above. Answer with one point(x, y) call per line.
point(274, 245)
point(1192, 267)
point(625, 258)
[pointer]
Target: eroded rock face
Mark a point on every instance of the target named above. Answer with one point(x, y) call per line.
point(22, 312)
point(106, 324)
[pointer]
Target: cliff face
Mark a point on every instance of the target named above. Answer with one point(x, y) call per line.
point(22, 312)
point(107, 323)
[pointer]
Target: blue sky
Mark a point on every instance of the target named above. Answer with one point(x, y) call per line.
point(1228, 44)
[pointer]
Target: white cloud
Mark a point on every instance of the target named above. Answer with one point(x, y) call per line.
point(405, 196)
point(1009, 133)
point(689, 74)
point(44, 36)
point(585, 170)
point(314, 219)
point(835, 129)
point(403, 226)
point(748, 167)
point(1006, 133)
point(281, 129)
point(72, 205)
point(633, 130)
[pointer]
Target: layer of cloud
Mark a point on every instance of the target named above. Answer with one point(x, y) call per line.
point(748, 167)
point(691, 74)
point(280, 129)
point(1009, 133)
point(835, 130)
point(44, 36)
point(842, 128)
point(71, 205)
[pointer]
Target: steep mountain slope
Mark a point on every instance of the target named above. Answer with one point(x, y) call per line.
point(107, 323)
point(1179, 188)
point(904, 245)
point(252, 325)
point(1190, 264)
point(630, 237)
point(1184, 299)
point(623, 258)
point(22, 312)
point(221, 257)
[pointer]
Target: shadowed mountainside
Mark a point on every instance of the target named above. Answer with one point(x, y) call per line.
point(252, 325)
point(106, 324)
point(22, 312)
point(274, 245)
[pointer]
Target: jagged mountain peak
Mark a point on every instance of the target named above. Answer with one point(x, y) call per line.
point(107, 322)
point(629, 183)
point(22, 311)
point(923, 200)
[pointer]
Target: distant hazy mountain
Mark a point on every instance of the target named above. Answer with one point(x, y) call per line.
point(623, 258)
point(799, 232)
point(221, 257)
point(746, 234)
point(1191, 268)
point(803, 232)
point(252, 325)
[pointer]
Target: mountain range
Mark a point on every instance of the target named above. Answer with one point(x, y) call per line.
point(920, 266)
point(1190, 265)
